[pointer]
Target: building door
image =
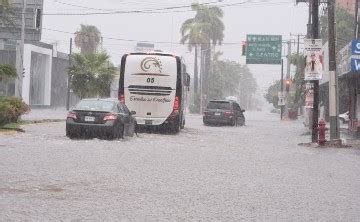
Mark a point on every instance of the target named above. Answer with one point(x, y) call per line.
point(37, 79)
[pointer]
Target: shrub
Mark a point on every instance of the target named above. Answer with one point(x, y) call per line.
point(5, 109)
point(11, 108)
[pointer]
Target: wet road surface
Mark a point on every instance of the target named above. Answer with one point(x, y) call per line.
point(256, 172)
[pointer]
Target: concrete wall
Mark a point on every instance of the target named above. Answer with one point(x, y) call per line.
point(41, 58)
point(59, 81)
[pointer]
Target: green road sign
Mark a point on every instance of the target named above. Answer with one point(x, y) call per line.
point(263, 49)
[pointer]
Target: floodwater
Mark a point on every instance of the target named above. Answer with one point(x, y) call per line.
point(255, 172)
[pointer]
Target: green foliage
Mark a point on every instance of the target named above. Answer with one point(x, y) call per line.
point(210, 18)
point(6, 13)
point(344, 26)
point(229, 78)
point(91, 74)
point(7, 72)
point(88, 39)
point(272, 94)
point(204, 28)
point(298, 98)
point(11, 108)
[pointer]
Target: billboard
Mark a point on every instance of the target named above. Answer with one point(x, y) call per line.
point(314, 59)
point(263, 49)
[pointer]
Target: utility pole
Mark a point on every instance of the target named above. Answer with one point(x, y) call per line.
point(357, 28)
point(298, 44)
point(69, 78)
point(282, 88)
point(288, 63)
point(315, 35)
point(333, 82)
point(20, 54)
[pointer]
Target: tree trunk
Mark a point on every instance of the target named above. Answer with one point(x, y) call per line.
point(196, 76)
point(207, 61)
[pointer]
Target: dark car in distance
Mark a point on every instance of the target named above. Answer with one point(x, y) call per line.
point(101, 118)
point(224, 112)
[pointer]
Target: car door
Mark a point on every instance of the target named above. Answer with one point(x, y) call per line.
point(237, 111)
point(132, 121)
point(127, 119)
point(123, 116)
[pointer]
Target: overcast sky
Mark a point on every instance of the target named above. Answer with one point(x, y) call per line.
point(242, 17)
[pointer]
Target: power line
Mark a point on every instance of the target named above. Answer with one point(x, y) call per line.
point(136, 40)
point(163, 9)
point(131, 11)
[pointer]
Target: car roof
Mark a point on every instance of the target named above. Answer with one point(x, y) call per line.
point(101, 99)
point(221, 100)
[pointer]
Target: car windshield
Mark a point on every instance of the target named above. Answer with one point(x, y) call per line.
point(219, 105)
point(98, 105)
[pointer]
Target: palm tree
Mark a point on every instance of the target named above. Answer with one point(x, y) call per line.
point(88, 39)
point(91, 74)
point(210, 17)
point(212, 26)
point(192, 34)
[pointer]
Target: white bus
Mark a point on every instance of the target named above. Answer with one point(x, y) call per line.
point(154, 85)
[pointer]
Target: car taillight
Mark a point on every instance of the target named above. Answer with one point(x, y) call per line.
point(176, 103)
point(122, 98)
point(206, 113)
point(228, 114)
point(110, 117)
point(71, 115)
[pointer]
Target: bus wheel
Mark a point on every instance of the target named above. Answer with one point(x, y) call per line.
point(183, 124)
point(175, 128)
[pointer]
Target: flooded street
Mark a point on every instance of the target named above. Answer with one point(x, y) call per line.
point(256, 172)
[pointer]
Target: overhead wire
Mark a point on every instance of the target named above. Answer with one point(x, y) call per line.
point(172, 9)
point(136, 40)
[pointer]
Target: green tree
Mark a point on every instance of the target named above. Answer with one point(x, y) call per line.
point(232, 79)
point(7, 72)
point(247, 88)
point(298, 82)
point(209, 20)
point(345, 23)
point(193, 34)
point(91, 74)
point(6, 13)
point(272, 94)
point(88, 39)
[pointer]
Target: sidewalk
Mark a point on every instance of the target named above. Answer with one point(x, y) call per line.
point(46, 114)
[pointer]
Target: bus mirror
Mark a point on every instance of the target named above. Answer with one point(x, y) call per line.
point(187, 83)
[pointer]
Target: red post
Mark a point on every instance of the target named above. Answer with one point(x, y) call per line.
point(321, 130)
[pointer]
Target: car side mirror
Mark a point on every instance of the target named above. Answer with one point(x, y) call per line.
point(243, 110)
point(133, 113)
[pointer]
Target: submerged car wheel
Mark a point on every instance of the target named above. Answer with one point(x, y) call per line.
point(117, 132)
point(70, 134)
point(175, 128)
point(233, 122)
point(242, 122)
